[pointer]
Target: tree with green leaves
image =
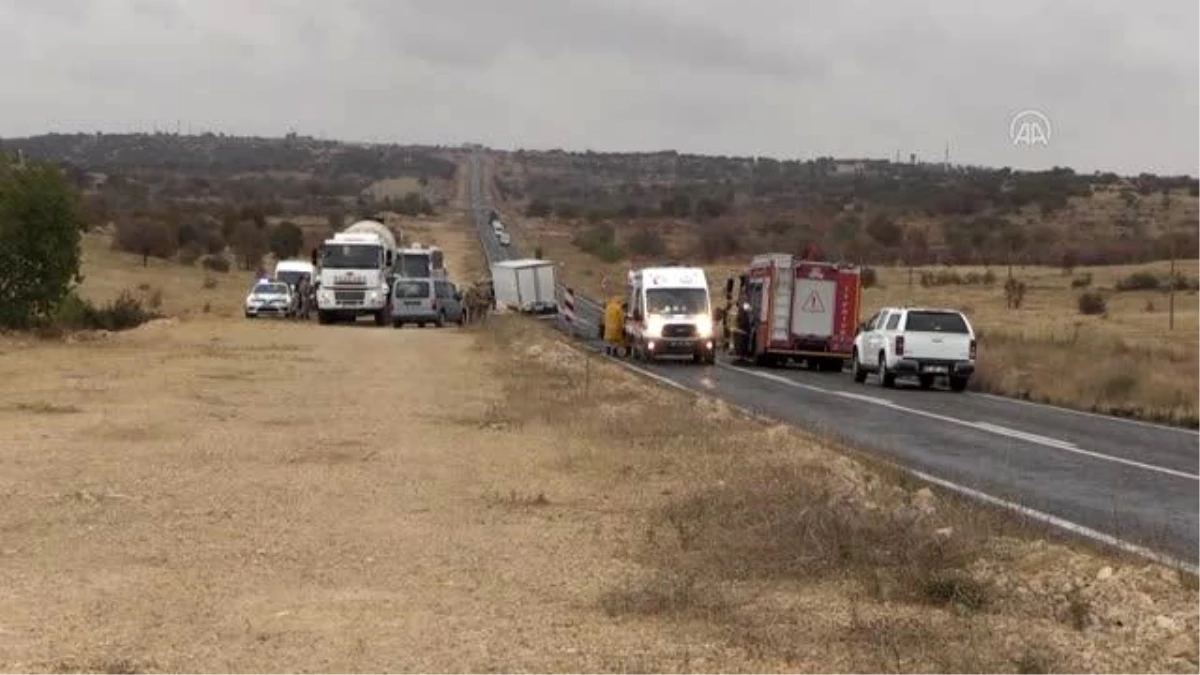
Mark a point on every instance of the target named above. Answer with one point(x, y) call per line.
point(250, 244)
point(40, 229)
point(286, 240)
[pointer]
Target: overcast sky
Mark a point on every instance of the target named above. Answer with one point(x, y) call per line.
point(1117, 80)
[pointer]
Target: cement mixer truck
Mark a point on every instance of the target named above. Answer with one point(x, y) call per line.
point(355, 266)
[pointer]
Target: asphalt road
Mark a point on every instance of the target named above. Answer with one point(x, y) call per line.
point(1099, 476)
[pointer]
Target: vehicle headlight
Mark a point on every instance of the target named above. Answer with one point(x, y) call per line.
point(704, 326)
point(373, 296)
point(654, 326)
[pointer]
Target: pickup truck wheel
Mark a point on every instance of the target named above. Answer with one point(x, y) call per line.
point(958, 384)
point(886, 379)
point(926, 381)
point(856, 368)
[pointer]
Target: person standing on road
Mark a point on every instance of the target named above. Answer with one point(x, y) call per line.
point(614, 327)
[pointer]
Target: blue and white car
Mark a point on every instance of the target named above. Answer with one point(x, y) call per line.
point(269, 298)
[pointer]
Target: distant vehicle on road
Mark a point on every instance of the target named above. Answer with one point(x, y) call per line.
point(425, 301)
point(927, 343)
point(505, 240)
point(269, 298)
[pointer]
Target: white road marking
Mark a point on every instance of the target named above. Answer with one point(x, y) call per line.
point(1060, 523)
point(1026, 436)
point(981, 426)
point(1040, 516)
point(1085, 413)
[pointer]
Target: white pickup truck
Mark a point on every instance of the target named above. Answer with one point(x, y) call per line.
point(927, 343)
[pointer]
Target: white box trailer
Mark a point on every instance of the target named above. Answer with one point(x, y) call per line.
point(525, 285)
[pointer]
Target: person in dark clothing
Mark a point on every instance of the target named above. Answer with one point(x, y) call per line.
point(743, 327)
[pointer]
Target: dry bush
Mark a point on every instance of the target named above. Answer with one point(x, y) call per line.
point(1092, 304)
point(1092, 373)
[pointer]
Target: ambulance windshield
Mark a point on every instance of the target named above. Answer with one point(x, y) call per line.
point(676, 301)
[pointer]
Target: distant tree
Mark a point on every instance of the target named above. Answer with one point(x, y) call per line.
point(286, 240)
point(147, 235)
point(250, 244)
point(336, 219)
point(40, 228)
point(646, 242)
point(709, 207)
point(1015, 240)
point(538, 208)
point(256, 213)
point(885, 230)
point(678, 206)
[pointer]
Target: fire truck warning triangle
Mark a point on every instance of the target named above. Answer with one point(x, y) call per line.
point(813, 304)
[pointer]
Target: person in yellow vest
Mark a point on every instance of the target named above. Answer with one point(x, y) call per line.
point(614, 327)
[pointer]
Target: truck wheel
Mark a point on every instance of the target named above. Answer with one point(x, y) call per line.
point(397, 323)
point(381, 318)
point(856, 368)
point(958, 384)
point(324, 318)
point(886, 379)
point(926, 381)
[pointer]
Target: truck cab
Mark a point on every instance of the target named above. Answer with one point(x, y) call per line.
point(924, 342)
point(355, 266)
point(420, 262)
point(670, 314)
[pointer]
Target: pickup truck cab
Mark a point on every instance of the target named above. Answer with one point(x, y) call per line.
point(924, 342)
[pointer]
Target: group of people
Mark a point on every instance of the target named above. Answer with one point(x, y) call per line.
point(304, 297)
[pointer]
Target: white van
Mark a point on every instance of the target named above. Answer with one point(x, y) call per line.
point(291, 271)
point(670, 314)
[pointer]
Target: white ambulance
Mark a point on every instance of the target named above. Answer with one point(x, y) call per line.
point(670, 314)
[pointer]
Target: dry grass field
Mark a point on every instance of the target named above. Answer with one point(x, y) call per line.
point(1124, 362)
point(210, 494)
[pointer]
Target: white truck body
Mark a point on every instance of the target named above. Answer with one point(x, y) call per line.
point(670, 313)
point(524, 285)
point(355, 267)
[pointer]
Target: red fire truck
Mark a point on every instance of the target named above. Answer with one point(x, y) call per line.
point(788, 307)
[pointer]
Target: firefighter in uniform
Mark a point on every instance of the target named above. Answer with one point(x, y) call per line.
point(614, 327)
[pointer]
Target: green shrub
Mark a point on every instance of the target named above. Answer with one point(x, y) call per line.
point(75, 313)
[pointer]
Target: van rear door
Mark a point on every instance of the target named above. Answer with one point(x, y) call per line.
point(937, 335)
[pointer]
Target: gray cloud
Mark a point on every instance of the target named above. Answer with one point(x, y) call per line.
point(774, 77)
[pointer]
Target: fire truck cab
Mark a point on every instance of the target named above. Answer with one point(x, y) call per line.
point(789, 308)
